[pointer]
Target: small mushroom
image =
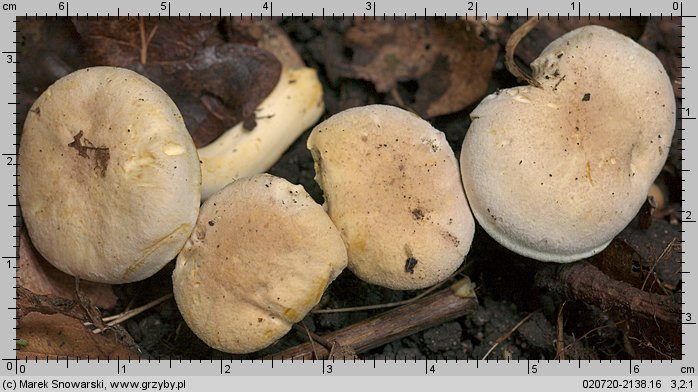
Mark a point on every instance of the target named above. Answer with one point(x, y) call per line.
point(293, 106)
point(109, 176)
point(392, 187)
point(554, 173)
point(261, 256)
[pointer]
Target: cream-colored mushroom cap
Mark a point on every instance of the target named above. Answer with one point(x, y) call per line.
point(109, 176)
point(554, 173)
point(392, 187)
point(259, 259)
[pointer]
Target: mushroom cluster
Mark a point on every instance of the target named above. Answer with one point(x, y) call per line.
point(554, 173)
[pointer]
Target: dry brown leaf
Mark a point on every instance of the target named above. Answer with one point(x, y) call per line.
point(58, 336)
point(39, 276)
point(265, 34)
point(215, 84)
point(120, 41)
point(450, 64)
point(549, 30)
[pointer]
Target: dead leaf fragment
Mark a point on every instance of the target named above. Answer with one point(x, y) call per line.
point(549, 29)
point(449, 63)
point(215, 84)
point(39, 276)
point(59, 336)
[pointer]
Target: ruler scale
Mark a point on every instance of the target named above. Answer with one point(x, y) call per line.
point(648, 374)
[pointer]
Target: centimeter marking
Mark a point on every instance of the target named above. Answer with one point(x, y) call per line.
point(19, 365)
point(123, 366)
point(369, 6)
point(353, 16)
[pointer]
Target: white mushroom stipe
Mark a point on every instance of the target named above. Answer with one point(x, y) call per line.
point(293, 106)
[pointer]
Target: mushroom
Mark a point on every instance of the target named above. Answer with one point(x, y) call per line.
point(393, 189)
point(109, 176)
point(554, 173)
point(261, 256)
point(292, 107)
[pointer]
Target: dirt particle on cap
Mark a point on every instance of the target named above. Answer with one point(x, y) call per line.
point(418, 214)
point(99, 154)
point(410, 263)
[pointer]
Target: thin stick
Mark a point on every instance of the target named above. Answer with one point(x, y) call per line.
point(378, 306)
point(120, 318)
point(508, 334)
point(310, 338)
point(145, 41)
point(589, 332)
point(560, 341)
point(510, 50)
point(661, 256)
point(583, 281)
point(391, 304)
point(91, 311)
point(391, 325)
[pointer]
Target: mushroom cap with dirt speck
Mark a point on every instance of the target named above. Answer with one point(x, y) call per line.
point(261, 256)
point(392, 187)
point(554, 173)
point(109, 175)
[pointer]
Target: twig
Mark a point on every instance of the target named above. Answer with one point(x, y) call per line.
point(310, 337)
point(589, 332)
point(508, 334)
point(661, 256)
point(145, 41)
point(392, 304)
point(649, 344)
point(398, 99)
point(335, 349)
point(560, 341)
point(510, 50)
point(392, 325)
point(120, 318)
point(379, 306)
point(585, 282)
point(91, 311)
